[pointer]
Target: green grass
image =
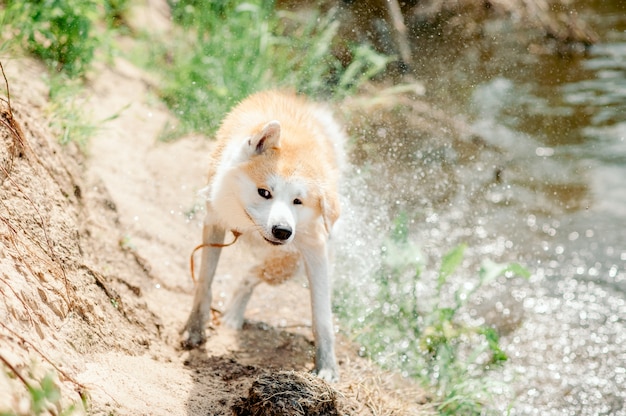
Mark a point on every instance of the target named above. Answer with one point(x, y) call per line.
point(229, 50)
point(60, 32)
point(63, 33)
point(423, 336)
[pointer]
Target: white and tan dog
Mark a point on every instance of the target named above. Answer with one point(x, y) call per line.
point(274, 179)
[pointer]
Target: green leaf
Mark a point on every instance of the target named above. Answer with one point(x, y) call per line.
point(446, 314)
point(400, 232)
point(490, 270)
point(519, 270)
point(450, 263)
point(493, 340)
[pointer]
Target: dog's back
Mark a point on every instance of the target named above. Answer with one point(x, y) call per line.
point(309, 132)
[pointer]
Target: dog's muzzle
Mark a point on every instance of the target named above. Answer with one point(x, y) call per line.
point(280, 234)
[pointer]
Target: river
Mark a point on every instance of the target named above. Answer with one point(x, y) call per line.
point(556, 203)
point(563, 123)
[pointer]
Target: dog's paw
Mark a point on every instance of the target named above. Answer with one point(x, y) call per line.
point(232, 320)
point(192, 339)
point(330, 375)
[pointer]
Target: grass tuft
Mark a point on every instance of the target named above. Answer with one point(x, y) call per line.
point(62, 33)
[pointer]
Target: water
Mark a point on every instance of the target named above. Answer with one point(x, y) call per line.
point(544, 185)
point(569, 354)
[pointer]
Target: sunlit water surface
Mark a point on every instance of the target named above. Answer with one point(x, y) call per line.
point(558, 206)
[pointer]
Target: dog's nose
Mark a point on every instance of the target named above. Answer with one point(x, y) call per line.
point(281, 232)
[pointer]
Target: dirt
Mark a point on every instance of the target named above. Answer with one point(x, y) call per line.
point(94, 270)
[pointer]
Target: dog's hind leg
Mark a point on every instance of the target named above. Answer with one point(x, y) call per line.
point(274, 270)
point(233, 316)
point(193, 333)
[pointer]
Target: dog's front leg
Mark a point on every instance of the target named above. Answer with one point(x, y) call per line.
point(317, 269)
point(193, 332)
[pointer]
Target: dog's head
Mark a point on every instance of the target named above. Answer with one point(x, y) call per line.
point(271, 190)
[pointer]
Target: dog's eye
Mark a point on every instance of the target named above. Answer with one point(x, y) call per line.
point(297, 201)
point(264, 193)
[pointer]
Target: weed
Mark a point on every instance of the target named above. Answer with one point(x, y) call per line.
point(65, 110)
point(63, 33)
point(399, 327)
point(43, 395)
point(366, 64)
point(115, 11)
point(126, 243)
point(58, 31)
point(66, 114)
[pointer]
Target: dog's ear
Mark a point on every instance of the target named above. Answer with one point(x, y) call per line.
point(330, 208)
point(267, 138)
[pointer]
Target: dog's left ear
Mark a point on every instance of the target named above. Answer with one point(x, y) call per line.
point(330, 211)
point(267, 138)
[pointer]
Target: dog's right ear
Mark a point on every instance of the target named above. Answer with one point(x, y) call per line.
point(267, 138)
point(330, 211)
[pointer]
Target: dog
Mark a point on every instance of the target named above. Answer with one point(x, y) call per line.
point(273, 181)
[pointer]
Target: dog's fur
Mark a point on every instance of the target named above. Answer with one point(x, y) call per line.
point(274, 179)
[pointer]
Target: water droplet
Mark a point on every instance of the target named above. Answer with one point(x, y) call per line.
point(544, 151)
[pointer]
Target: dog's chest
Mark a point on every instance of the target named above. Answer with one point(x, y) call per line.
point(270, 263)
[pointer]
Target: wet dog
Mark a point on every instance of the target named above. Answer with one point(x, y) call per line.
point(273, 180)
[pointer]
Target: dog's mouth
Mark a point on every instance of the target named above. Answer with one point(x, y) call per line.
point(273, 242)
